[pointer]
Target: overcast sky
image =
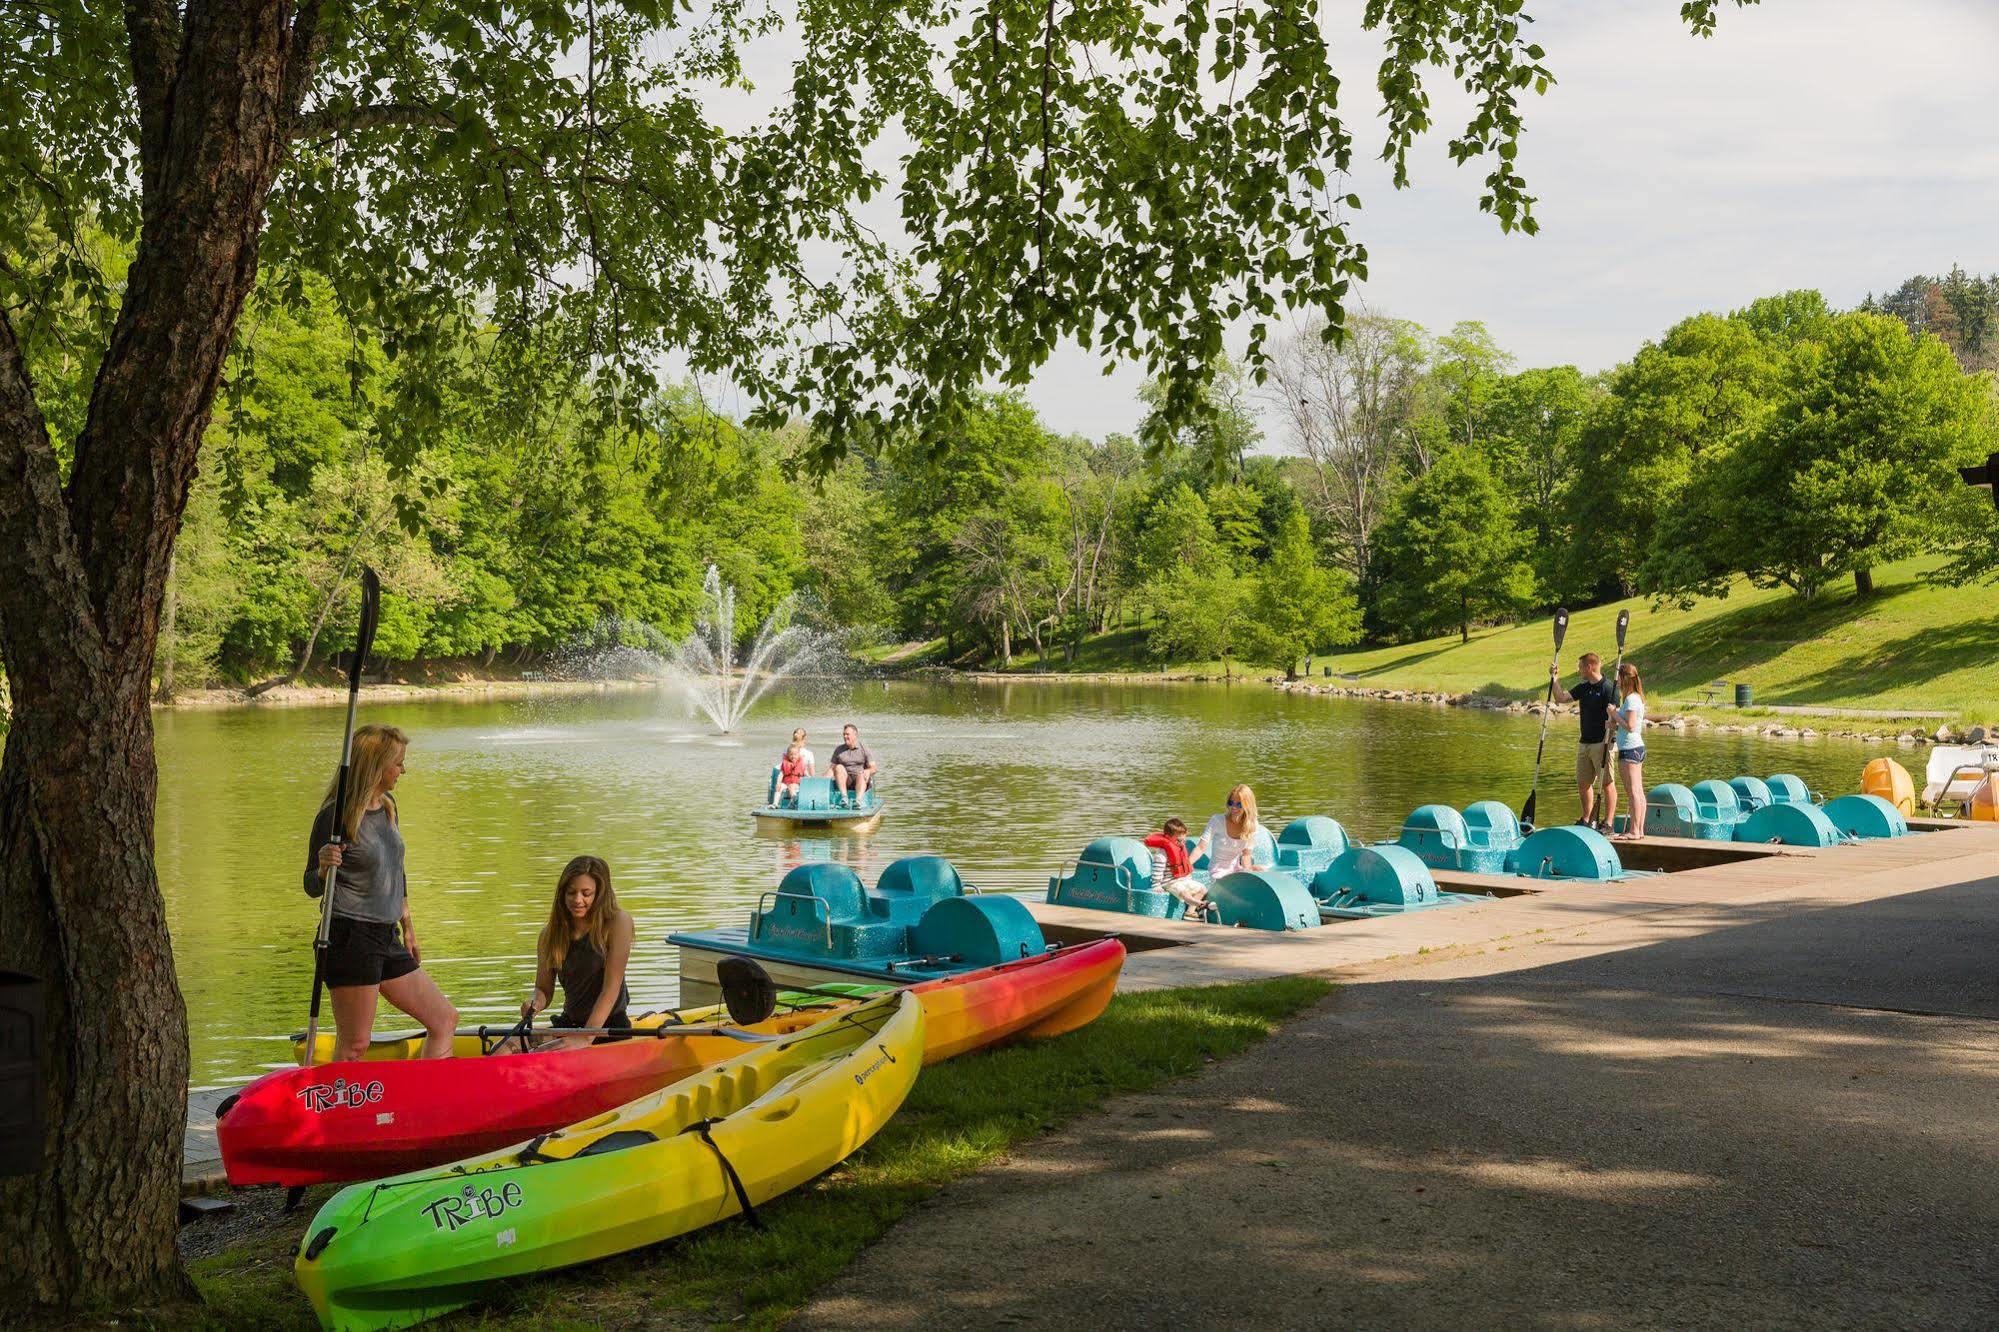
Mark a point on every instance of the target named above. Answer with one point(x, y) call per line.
point(1837, 144)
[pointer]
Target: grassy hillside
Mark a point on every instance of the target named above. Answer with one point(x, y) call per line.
point(1910, 646)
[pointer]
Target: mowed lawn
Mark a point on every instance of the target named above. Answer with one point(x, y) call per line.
point(1912, 645)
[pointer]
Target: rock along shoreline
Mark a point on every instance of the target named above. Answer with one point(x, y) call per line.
point(1903, 736)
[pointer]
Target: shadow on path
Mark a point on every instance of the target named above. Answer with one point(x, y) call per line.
point(1726, 1128)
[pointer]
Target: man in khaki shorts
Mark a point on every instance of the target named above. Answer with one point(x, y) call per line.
point(1594, 697)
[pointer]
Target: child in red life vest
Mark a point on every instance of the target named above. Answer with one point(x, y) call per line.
point(793, 766)
point(1173, 869)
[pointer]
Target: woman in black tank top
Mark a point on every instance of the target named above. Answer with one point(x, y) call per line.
point(586, 944)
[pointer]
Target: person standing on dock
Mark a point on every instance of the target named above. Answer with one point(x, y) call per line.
point(1595, 698)
point(1631, 745)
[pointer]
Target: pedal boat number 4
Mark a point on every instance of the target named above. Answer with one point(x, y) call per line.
point(819, 807)
point(402, 1250)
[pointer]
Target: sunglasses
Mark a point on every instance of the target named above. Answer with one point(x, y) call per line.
point(1235, 804)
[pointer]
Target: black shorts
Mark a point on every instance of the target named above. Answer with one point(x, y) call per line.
point(365, 952)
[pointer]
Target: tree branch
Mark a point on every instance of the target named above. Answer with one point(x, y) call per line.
point(308, 44)
point(382, 115)
point(153, 27)
point(44, 606)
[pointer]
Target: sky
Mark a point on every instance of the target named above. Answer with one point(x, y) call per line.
point(1836, 144)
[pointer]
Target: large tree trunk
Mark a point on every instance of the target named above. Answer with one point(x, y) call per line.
point(1863, 582)
point(79, 621)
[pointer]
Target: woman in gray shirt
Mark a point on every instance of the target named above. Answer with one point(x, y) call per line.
point(371, 948)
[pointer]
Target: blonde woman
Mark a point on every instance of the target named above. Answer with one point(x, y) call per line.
point(1630, 719)
point(371, 948)
point(1230, 839)
point(586, 945)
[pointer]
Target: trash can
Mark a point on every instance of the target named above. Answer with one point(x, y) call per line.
point(1329, 672)
point(20, 1074)
point(1742, 696)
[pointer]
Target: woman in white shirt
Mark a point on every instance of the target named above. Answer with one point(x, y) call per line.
point(1630, 717)
point(1230, 839)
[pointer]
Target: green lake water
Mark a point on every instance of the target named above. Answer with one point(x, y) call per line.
point(1007, 780)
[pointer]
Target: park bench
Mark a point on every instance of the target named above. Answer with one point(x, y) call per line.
point(1713, 689)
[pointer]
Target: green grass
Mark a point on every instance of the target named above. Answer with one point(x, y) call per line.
point(962, 1116)
point(1910, 646)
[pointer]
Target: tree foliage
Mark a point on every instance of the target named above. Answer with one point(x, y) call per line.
point(1453, 555)
point(1855, 464)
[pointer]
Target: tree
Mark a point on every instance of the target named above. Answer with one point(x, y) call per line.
point(1535, 447)
point(1854, 465)
point(1222, 434)
point(1453, 555)
point(1068, 177)
point(1300, 606)
point(1456, 394)
point(1675, 410)
point(1202, 612)
point(1345, 400)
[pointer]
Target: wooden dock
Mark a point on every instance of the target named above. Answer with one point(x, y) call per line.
point(1751, 879)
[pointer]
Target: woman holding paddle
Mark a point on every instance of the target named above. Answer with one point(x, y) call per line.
point(371, 949)
point(586, 944)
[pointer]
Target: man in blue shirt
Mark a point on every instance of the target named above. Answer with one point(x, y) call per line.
point(1595, 699)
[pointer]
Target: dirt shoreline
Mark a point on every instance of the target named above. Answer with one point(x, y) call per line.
point(1904, 732)
point(316, 695)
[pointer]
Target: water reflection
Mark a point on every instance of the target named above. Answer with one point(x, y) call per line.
point(1007, 780)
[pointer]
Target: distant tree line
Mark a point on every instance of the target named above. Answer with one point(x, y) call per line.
point(1411, 484)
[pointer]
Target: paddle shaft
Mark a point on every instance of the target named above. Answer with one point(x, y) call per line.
point(363, 640)
point(1554, 664)
point(1609, 733)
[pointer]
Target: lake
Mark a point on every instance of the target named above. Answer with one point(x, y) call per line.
point(1009, 780)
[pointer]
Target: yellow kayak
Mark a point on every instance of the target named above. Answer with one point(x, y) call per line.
point(398, 1251)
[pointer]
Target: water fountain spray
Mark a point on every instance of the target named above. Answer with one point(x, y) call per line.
point(704, 667)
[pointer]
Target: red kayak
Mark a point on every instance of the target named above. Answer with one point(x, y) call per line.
point(392, 1112)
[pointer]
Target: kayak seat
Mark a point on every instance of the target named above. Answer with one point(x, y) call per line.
point(617, 1142)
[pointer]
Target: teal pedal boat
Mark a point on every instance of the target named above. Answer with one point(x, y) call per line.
point(921, 921)
point(819, 808)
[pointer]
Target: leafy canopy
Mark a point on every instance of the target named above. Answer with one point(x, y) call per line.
point(1132, 179)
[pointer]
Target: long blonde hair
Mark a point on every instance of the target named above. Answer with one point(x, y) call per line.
point(556, 936)
point(375, 747)
point(1241, 822)
point(1637, 685)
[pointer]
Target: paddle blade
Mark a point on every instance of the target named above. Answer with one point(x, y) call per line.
point(1527, 810)
point(1561, 628)
point(747, 990)
point(371, 608)
point(1623, 623)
